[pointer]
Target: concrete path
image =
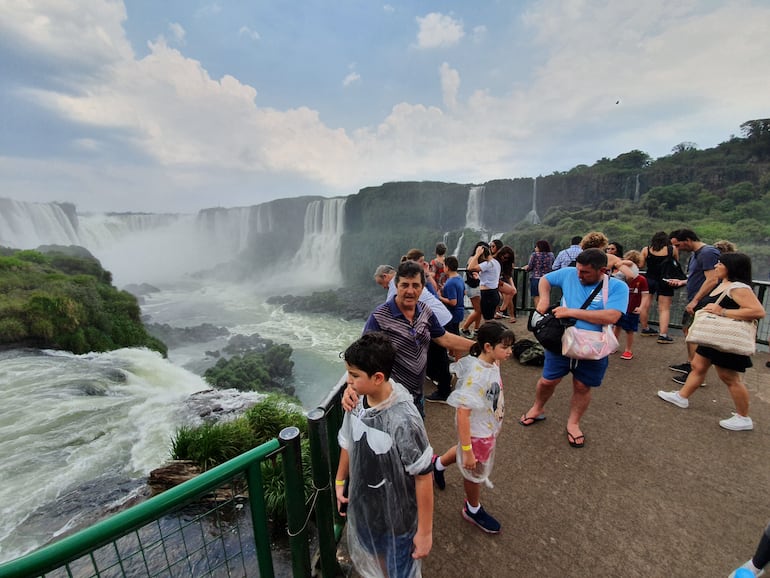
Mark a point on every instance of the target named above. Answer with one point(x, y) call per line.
point(656, 491)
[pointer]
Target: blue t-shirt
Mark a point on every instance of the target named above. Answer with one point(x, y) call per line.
point(454, 288)
point(702, 260)
point(574, 293)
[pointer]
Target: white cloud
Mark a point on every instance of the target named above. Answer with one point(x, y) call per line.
point(388, 9)
point(248, 33)
point(351, 78)
point(177, 32)
point(438, 31)
point(450, 84)
point(679, 75)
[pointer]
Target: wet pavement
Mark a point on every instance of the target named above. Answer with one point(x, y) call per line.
point(656, 491)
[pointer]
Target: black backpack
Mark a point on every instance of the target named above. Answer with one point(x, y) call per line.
point(472, 279)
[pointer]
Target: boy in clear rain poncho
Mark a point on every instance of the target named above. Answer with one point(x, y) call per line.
point(386, 464)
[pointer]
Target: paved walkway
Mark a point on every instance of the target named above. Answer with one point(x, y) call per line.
point(656, 491)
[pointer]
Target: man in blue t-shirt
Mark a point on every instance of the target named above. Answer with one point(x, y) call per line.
point(701, 279)
point(577, 284)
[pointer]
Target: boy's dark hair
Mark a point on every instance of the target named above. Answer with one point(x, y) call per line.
point(576, 240)
point(452, 263)
point(410, 269)
point(440, 249)
point(372, 352)
point(595, 258)
point(683, 235)
point(492, 332)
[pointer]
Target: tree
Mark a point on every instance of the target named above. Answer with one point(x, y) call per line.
point(683, 147)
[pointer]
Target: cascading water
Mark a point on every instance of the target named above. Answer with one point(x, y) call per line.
point(67, 420)
point(473, 209)
point(318, 257)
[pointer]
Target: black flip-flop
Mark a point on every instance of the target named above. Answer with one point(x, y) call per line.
point(527, 421)
point(576, 441)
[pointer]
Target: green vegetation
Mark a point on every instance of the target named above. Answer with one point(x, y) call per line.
point(266, 370)
point(214, 443)
point(60, 301)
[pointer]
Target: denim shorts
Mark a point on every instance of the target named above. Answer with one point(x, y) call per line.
point(589, 372)
point(471, 292)
point(629, 322)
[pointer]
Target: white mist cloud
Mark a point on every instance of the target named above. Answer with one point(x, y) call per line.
point(450, 84)
point(249, 33)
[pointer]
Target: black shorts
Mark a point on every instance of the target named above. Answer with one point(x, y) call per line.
point(660, 288)
point(490, 299)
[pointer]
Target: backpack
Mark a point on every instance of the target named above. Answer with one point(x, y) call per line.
point(529, 352)
point(670, 268)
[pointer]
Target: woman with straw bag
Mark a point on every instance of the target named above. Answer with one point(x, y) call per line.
point(734, 299)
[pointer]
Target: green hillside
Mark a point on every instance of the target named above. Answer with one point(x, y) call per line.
point(65, 300)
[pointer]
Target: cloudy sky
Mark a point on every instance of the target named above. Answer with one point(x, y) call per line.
point(177, 105)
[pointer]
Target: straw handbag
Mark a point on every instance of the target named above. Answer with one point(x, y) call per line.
point(723, 333)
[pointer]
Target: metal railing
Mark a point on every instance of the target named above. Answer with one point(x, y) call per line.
point(198, 528)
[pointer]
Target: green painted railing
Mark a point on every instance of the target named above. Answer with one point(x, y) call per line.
point(208, 532)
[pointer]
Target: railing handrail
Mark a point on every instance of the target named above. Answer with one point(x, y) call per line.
point(88, 539)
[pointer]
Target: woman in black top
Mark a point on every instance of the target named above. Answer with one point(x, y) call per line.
point(659, 250)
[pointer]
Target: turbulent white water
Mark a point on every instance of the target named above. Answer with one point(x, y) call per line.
point(66, 420)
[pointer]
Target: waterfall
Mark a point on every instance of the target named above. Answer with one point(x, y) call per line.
point(228, 229)
point(318, 258)
point(473, 209)
point(532, 216)
point(636, 189)
point(28, 225)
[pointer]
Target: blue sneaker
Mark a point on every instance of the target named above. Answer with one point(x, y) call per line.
point(484, 521)
point(438, 476)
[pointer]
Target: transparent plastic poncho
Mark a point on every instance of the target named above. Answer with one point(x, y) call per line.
point(388, 446)
point(479, 388)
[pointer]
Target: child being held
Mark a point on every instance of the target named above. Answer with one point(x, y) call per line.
point(638, 297)
point(385, 460)
point(478, 397)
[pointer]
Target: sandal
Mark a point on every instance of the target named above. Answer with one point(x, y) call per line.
point(527, 421)
point(576, 441)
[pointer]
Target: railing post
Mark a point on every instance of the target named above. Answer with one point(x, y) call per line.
point(324, 507)
point(259, 520)
point(295, 501)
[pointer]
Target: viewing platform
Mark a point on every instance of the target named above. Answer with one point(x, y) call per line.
point(657, 491)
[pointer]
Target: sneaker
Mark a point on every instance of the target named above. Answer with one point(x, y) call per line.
point(626, 355)
point(466, 333)
point(681, 367)
point(438, 476)
point(675, 398)
point(483, 520)
point(665, 339)
point(737, 423)
point(436, 397)
point(680, 379)
point(648, 332)
point(748, 566)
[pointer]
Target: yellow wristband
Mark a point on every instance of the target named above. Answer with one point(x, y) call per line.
point(466, 448)
point(339, 482)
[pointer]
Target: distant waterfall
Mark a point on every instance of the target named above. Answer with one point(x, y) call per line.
point(473, 209)
point(319, 253)
point(28, 225)
point(532, 216)
point(229, 229)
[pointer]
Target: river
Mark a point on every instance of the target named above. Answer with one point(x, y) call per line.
point(79, 433)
